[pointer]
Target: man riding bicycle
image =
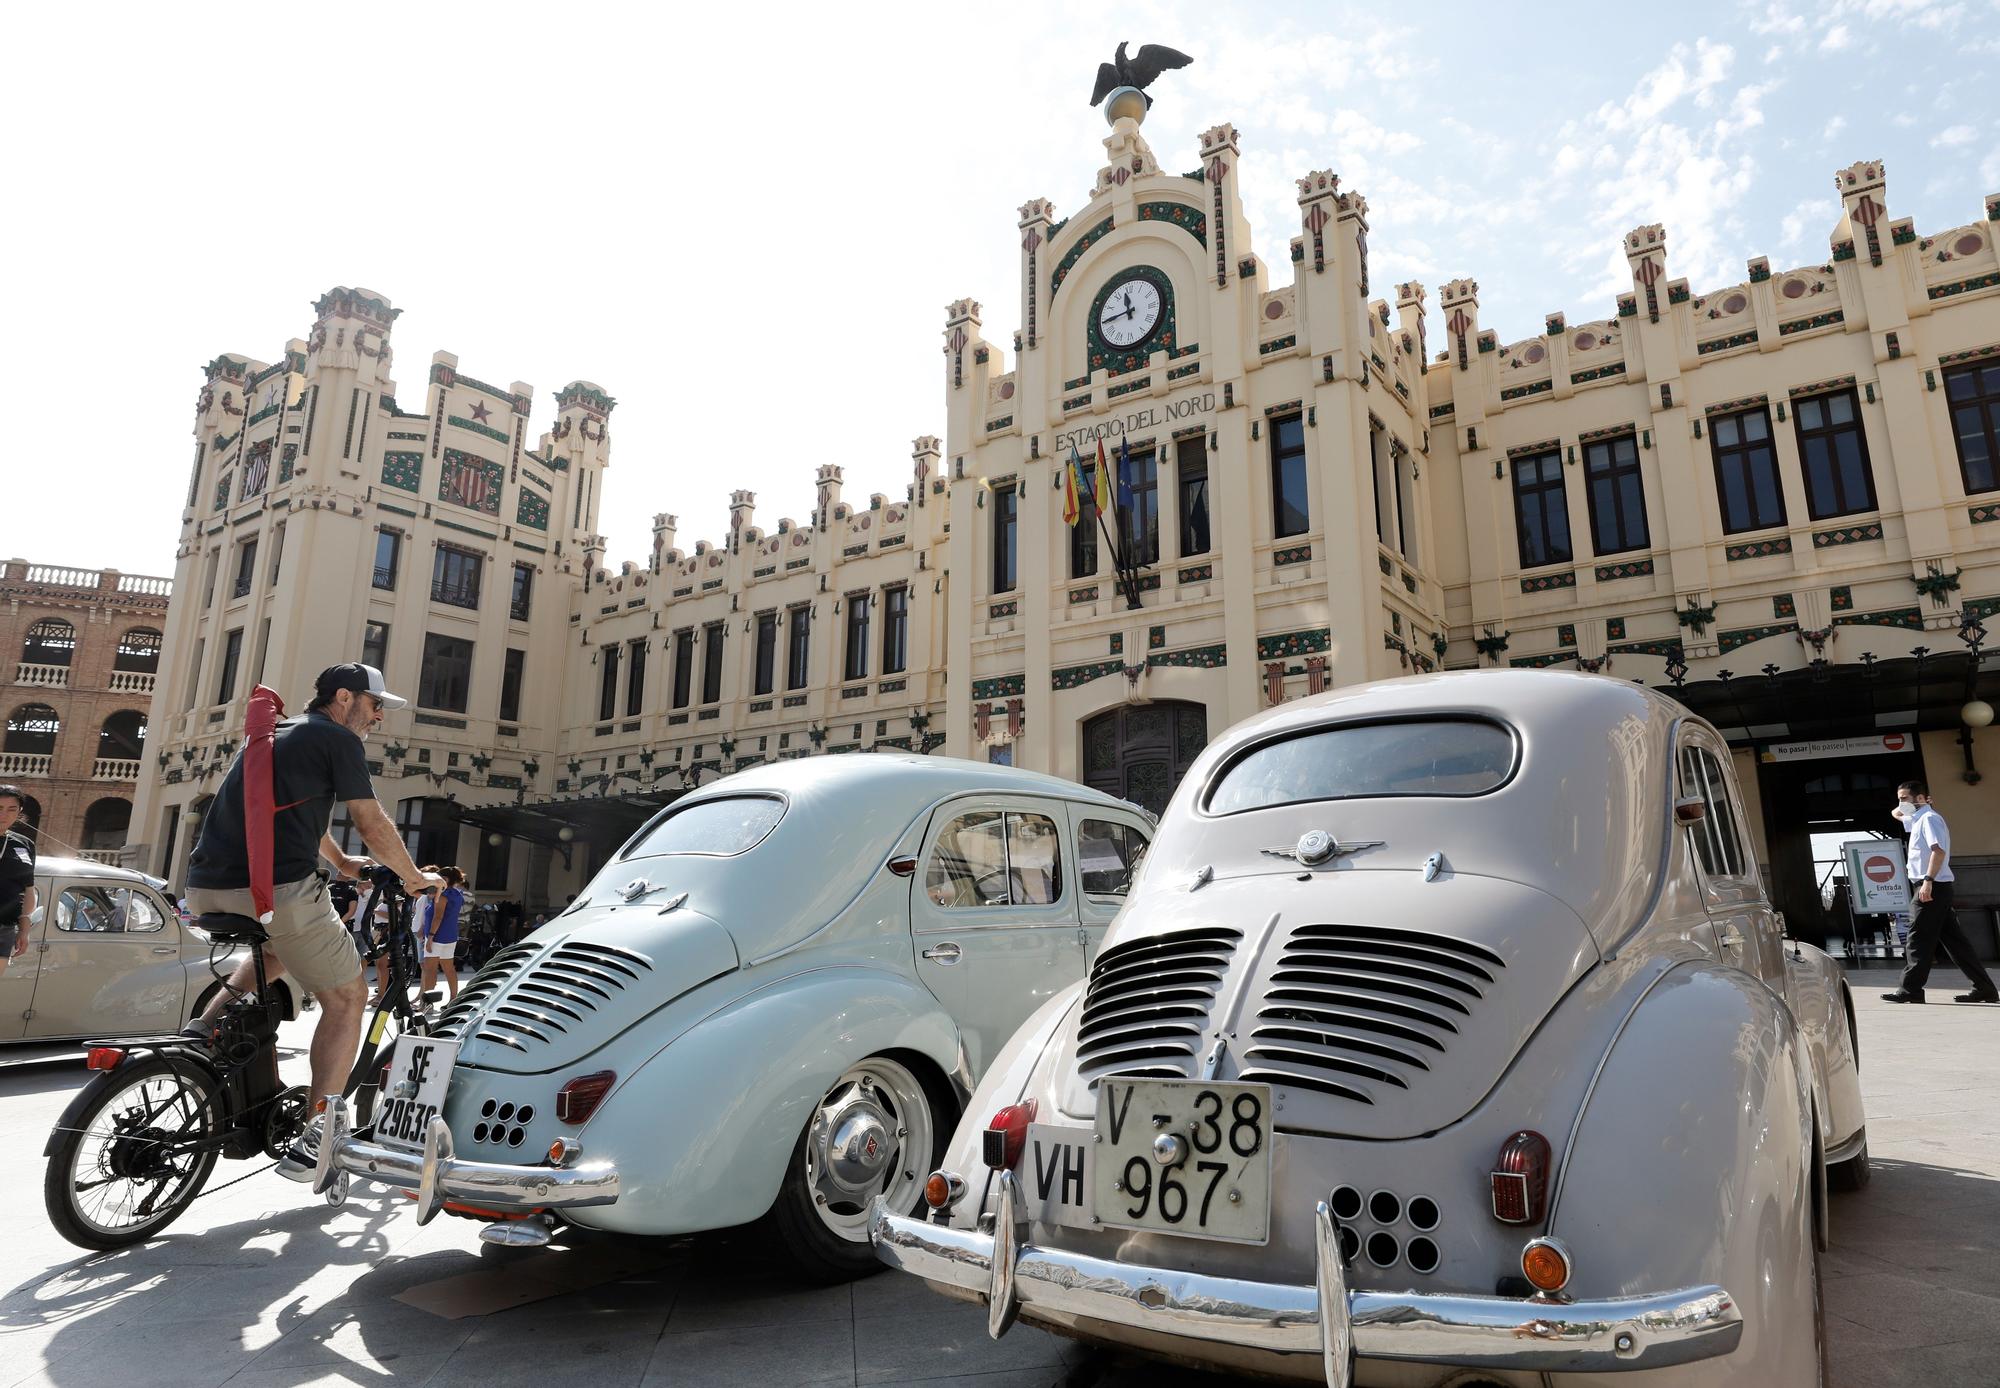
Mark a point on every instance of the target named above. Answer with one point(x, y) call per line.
point(315, 760)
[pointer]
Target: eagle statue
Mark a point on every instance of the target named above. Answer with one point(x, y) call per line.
point(1137, 71)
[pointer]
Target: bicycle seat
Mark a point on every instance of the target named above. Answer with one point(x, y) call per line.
point(230, 928)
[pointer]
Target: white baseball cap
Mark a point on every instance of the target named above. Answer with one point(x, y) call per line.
point(362, 679)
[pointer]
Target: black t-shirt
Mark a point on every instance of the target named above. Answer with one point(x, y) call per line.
point(17, 874)
point(344, 895)
point(314, 762)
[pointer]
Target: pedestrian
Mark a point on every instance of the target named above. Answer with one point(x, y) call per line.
point(440, 932)
point(316, 759)
point(1929, 866)
point(17, 877)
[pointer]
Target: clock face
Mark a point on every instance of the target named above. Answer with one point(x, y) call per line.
point(1131, 312)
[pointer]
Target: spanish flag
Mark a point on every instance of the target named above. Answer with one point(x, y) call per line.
point(1103, 497)
point(1072, 477)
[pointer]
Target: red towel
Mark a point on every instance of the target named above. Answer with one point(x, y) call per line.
point(260, 804)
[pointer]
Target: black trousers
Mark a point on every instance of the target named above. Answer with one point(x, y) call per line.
point(1936, 923)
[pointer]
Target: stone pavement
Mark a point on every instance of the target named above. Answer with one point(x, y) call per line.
point(259, 1286)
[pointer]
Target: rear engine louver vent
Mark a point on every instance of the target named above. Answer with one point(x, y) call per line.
point(1148, 1002)
point(484, 985)
point(1355, 1010)
point(546, 999)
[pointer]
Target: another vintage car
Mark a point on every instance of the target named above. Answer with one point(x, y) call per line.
point(1448, 1038)
point(772, 1002)
point(107, 956)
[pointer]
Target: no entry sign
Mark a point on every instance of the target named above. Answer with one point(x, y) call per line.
point(1875, 882)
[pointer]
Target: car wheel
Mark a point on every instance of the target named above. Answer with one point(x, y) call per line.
point(1852, 1174)
point(878, 1132)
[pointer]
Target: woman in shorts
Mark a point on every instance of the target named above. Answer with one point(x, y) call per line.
point(440, 930)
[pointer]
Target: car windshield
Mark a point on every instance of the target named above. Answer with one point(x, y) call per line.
point(719, 828)
point(1420, 757)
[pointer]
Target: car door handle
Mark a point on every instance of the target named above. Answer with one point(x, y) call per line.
point(946, 953)
point(1731, 937)
point(165, 949)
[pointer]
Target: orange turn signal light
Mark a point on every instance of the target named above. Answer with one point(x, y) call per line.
point(943, 1189)
point(1545, 1263)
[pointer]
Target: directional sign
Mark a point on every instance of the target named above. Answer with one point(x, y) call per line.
point(1875, 882)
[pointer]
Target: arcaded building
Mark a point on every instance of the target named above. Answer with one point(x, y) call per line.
point(1772, 497)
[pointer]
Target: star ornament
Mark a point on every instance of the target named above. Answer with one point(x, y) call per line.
point(479, 411)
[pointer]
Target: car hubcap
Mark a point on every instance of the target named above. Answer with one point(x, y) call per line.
point(871, 1136)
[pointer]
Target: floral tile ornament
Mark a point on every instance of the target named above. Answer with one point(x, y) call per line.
point(532, 511)
point(1292, 643)
point(403, 471)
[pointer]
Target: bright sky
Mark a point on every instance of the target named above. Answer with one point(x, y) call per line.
point(688, 203)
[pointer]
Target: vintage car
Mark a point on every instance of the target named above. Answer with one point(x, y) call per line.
point(107, 956)
point(1447, 1038)
point(772, 1001)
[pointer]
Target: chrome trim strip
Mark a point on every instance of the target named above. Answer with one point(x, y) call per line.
point(1057, 1288)
point(436, 1176)
point(1330, 1277)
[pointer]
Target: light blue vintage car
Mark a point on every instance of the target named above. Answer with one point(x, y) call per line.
point(771, 1004)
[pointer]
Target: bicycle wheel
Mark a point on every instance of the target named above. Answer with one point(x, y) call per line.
point(133, 1150)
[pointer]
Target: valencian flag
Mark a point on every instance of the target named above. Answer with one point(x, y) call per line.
point(1073, 487)
point(1103, 497)
point(260, 726)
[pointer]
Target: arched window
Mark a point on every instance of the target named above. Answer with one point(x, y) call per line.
point(138, 651)
point(105, 823)
point(51, 641)
point(32, 730)
point(123, 736)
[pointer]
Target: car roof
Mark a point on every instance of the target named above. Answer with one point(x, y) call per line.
point(62, 866)
point(902, 778)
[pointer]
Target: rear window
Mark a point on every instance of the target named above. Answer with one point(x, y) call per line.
point(1451, 757)
point(719, 828)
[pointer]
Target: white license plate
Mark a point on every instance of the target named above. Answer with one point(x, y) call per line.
point(420, 1074)
point(1215, 1179)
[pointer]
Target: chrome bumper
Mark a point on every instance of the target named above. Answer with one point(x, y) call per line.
point(435, 1175)
point(1327, 1319)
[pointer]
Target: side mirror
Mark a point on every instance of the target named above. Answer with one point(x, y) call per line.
point(1690, 809)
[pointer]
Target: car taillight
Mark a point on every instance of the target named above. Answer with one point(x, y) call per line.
point(103, 1058)
point(1521, 1179)
point(578, 1099)
point(1006, 1134)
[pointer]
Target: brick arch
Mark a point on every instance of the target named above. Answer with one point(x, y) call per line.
point(139, 651)
point(50, 641)
point(32, 729)
point(123, 735)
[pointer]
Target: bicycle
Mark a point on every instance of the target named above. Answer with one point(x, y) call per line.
point(136, 1146)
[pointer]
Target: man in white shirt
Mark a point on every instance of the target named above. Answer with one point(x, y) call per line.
point(1929, 866)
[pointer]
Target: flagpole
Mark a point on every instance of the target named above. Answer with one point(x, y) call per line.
point(1125, 584)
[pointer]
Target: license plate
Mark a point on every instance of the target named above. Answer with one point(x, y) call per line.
point(419, 1075)
point(1183, 1157)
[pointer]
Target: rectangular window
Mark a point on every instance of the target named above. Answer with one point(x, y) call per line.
point(683, 667)
point(635, 678)
point(1191, 467)
point(519, 604)
point(232, 655)
point(799, 650)
point(375, 644)
point(607, 683)
point(1083, 535)
point(1746, 471)
point(388, 554)
point(1541, 510)
point(194, 673)
point(767, 653)
point(277, 549)
point(1006, 536)
point(1617, 496)
point(856, 667)
point(208, 579)
point(446, 676)
point(895, 630)
point(1139, 508)
point(246, 569)
point(455, 575)
point(1972, 394)
point(1404, 473)
point(711, 662)
point(1834, 454)
point(1290, 514)
point(1380, 478)
point(1108, 855)
point(510, 685)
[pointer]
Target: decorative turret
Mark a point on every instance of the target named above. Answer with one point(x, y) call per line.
point(1218, 163)
point(828, 484)
point(1864, 200)
point(351, 333)
point(1459, 302)
point(961, 330)
point(741, 505)
point(1410, 320)
point(1646, 253)
point(1036, 215)
point(581, 439)
point(665, 525)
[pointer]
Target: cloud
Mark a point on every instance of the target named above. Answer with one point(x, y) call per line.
point(1815, 214)
point(1951, 137)
point(1833, 129)
point(1837, 38)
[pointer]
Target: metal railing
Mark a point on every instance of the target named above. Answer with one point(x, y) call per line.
point(45, 676)
point(111, 856)
point(25, 764)
point(457, 594)
point(115, 769)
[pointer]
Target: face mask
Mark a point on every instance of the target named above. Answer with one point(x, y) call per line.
point(1906, 810)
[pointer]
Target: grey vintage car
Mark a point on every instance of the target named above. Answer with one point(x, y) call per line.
point(1447, 1037)
point(107, 956)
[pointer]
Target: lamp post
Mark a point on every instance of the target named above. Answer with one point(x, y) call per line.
point(1975, 712)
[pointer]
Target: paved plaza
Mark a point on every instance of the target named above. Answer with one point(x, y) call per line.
point(261, 1286)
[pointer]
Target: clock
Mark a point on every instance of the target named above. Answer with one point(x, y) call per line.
point(1130, 311)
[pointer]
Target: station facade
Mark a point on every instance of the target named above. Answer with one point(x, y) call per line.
point(1771, 498)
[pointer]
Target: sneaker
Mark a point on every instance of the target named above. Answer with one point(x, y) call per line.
point(199, 1031)
point(1901, 996)
point(301, 1159)
point(1976, 997)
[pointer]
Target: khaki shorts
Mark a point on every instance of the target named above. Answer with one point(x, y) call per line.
point(306, 935)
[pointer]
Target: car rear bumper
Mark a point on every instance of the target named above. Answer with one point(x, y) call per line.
point(1327, 1319)
point(436, 1175)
